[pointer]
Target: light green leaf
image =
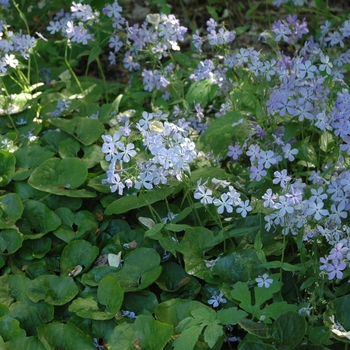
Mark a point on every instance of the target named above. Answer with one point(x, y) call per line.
point(212, 333)
point(7, 167)
point(10, 241)
point(37, 220)
point(78, 252)
point(146, 332)
point(85, 130)
point(11, 209)
point(230, 316)
point(56, 176)
point(128, 203)
point(52, 289)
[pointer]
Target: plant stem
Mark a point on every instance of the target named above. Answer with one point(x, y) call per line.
point(71, 70)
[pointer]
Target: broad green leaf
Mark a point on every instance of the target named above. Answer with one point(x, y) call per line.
point(175, 310)
point(202, 92)
point(37, 220)
point(230, 316)
point(193, 246)
point(209, 140)
point(52, 289)
point(110, 294)
point(7, 167)
point(28, 317)
point(61, 177)
point(338, 311)
point(94, 276)
point(146, 332)
point(128, 203)
point(237, 265)
point(10, 329)
point(320, 335)
point(85, 130)
point(257, 328)
point(17, 103)
point(27, 343)
point(212, 333)
point(110, 297)
point(75, 225)
point(64, 336)
point(30, 157)
point(188, 338)
point(90, 155)
point(36, 248)
point(11, 209)
point(78, 252)
point(288, 330)
point(250, 345)
point(326, 141)
point(307, 153)
point(139, 301)
point(10, 241)
point(141, 269)
point(177, 283)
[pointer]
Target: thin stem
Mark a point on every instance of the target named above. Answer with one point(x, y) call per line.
point(71, 70)
point(103, 77)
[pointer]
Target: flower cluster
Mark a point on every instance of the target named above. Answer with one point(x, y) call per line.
point(168, 148)
point(13, 46)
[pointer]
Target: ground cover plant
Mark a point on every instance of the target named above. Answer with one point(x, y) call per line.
point(164, 187)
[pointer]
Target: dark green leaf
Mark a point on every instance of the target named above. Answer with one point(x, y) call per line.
point(7, 167)
point(11, 209)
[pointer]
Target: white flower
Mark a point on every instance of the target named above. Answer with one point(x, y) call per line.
point(264, 281)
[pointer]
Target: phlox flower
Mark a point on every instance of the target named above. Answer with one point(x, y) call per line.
point(269, 198)
point(234, 151)
point(257, 173)
point(125, 153)
point(225, 202)
point(284, 206)
point(289, 153)
point(216, 300)
point(315, 208)
point(203, 194)
point(264, 281)
point(335, 269)
point(317, 195)
point(267, 158)
point(244, 208)
point(338, 251)
point(281, 177)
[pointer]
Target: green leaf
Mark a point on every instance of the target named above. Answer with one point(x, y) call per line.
point(37, 220)
point(11, 209)
point(259, 329)
point(75, 225)
point(28, 343)
point(141, 268)
point(7, 167)
point(209, 140)
point(140, 301)
point(10, 329)
point(128, 203)
point(212, 333)
point(146, 332)
point(175, 310)
point(194, 244)
point(54, 290)
point(56, 176)
point(110, 297)
point(230, 316)
point(28, 317)
point(64, 336)
point(250, 345)
point(288, 330)
point(90, 155)
point(30, 157)
point(202, 92)
point(36, 248)
point(326, 141)
point(307, 153)
point(78, 252)
point(94, 53)
point(10, 241)
point(85, 130)
point(16, 104)
point(109, 293)
point(237, 265)
point(188, 338)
